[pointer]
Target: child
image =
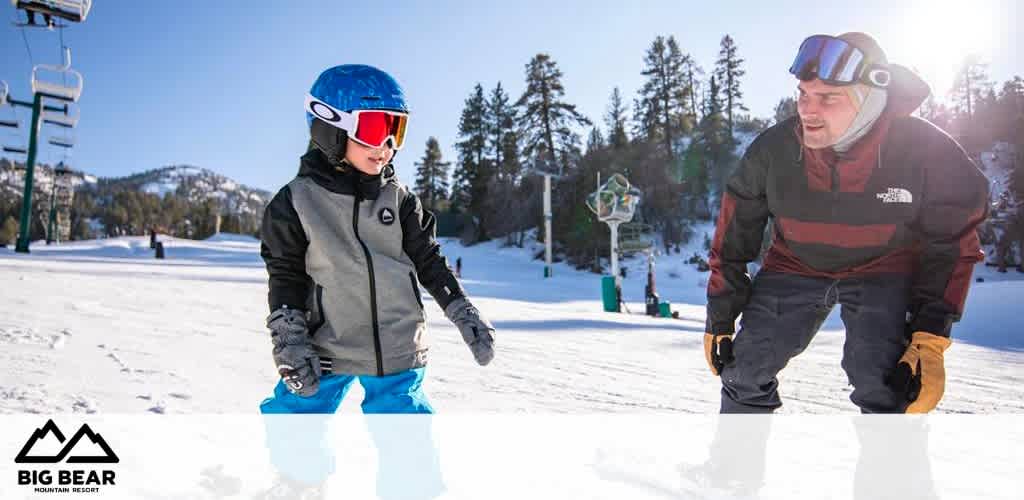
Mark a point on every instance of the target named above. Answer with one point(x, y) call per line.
point(345, 245)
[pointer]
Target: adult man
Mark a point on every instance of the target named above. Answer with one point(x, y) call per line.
point(872, 209)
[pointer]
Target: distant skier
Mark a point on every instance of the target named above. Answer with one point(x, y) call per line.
point(345, 246)
point(873, 209)
point(458, 267)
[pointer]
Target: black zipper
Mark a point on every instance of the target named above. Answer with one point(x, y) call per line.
point(415, 289)
point(321, 318)
point(373, 289)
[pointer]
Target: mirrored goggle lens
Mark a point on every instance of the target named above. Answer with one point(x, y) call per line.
point(375, 127)
point(807, 55)
point(831, 59)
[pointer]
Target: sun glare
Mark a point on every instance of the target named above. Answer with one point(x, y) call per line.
point(937, 41)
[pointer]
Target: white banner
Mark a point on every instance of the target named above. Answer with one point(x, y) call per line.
point(485, 456)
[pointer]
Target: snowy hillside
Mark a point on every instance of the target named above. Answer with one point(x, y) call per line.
point(196, 184)
point(101, 326)
point(12, 179)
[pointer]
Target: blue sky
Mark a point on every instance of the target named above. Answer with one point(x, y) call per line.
point(220, 84)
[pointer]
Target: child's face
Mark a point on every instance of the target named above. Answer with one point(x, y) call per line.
point(368, 160)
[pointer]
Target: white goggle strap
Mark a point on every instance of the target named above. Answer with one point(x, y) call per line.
point(333, 116)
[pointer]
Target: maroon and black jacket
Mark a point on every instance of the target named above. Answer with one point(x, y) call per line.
point(905, 199)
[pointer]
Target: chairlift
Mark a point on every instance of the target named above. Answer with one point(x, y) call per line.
point(71, 10)
point(63, 181)
point(50, 81)
point(68, 119)
point(64, 142)
point(4, 92)
point(15, 150)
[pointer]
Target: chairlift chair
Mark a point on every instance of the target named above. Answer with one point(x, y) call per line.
point(69, 119)
point(64, 142)
point(4, 90)
point(15, 150)
point(52, 89)
point(71, 10)
point(57, 82)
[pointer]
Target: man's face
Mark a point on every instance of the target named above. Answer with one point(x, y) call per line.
point(368, 160)
point(826, 111)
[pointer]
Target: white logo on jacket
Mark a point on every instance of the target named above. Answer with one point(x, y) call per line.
point(895, 195)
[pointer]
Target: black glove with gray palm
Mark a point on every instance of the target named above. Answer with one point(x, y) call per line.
point(476, 331)
point(296, 361)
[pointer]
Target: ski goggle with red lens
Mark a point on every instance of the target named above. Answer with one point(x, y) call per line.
point(836, 62)
point(369, 127)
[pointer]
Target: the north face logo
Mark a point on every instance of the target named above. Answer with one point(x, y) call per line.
point(895, 195)
point(387, 217)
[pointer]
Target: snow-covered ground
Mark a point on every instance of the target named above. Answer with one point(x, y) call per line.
point(101, 326)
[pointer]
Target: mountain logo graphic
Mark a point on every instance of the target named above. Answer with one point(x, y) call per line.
point(66, 454)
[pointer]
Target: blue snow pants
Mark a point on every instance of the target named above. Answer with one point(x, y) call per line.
point(398, 393)
point(408, 464)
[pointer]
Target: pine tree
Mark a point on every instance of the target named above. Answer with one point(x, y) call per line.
point(714, 139)
point(595, 141)
point(432, 175)
point(785, 109)
point(503, 141)
point(1009, 106)
point(546, 121)
point(728, 69)
point(472, 149)
point(692, 73)
point(645, 116)
point(970, 84)
point(615, 120)
point(665, 94)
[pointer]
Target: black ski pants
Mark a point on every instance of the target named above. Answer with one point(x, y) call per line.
point(784, 313)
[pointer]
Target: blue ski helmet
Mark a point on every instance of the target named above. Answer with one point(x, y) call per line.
point(350, 87)
point(357, 86)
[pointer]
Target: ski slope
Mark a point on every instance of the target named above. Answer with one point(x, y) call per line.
point(102, 327)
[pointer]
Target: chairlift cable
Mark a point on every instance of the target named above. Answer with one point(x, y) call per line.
point(64, 76)
point(31, 62)
point(27, 48)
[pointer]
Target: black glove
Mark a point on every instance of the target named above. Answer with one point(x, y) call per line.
point(718, 351)
point(296, 361)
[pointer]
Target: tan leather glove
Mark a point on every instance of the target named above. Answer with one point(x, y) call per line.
point(718, 351)
point(920, 374)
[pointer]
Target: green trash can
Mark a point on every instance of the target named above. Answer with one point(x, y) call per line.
point(665, 310)
point(609, 295)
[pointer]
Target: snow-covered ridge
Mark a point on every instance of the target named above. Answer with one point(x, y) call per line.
point(12, 179)
point(197, 184)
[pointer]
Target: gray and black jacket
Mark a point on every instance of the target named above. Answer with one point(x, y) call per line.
point(350, 249)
